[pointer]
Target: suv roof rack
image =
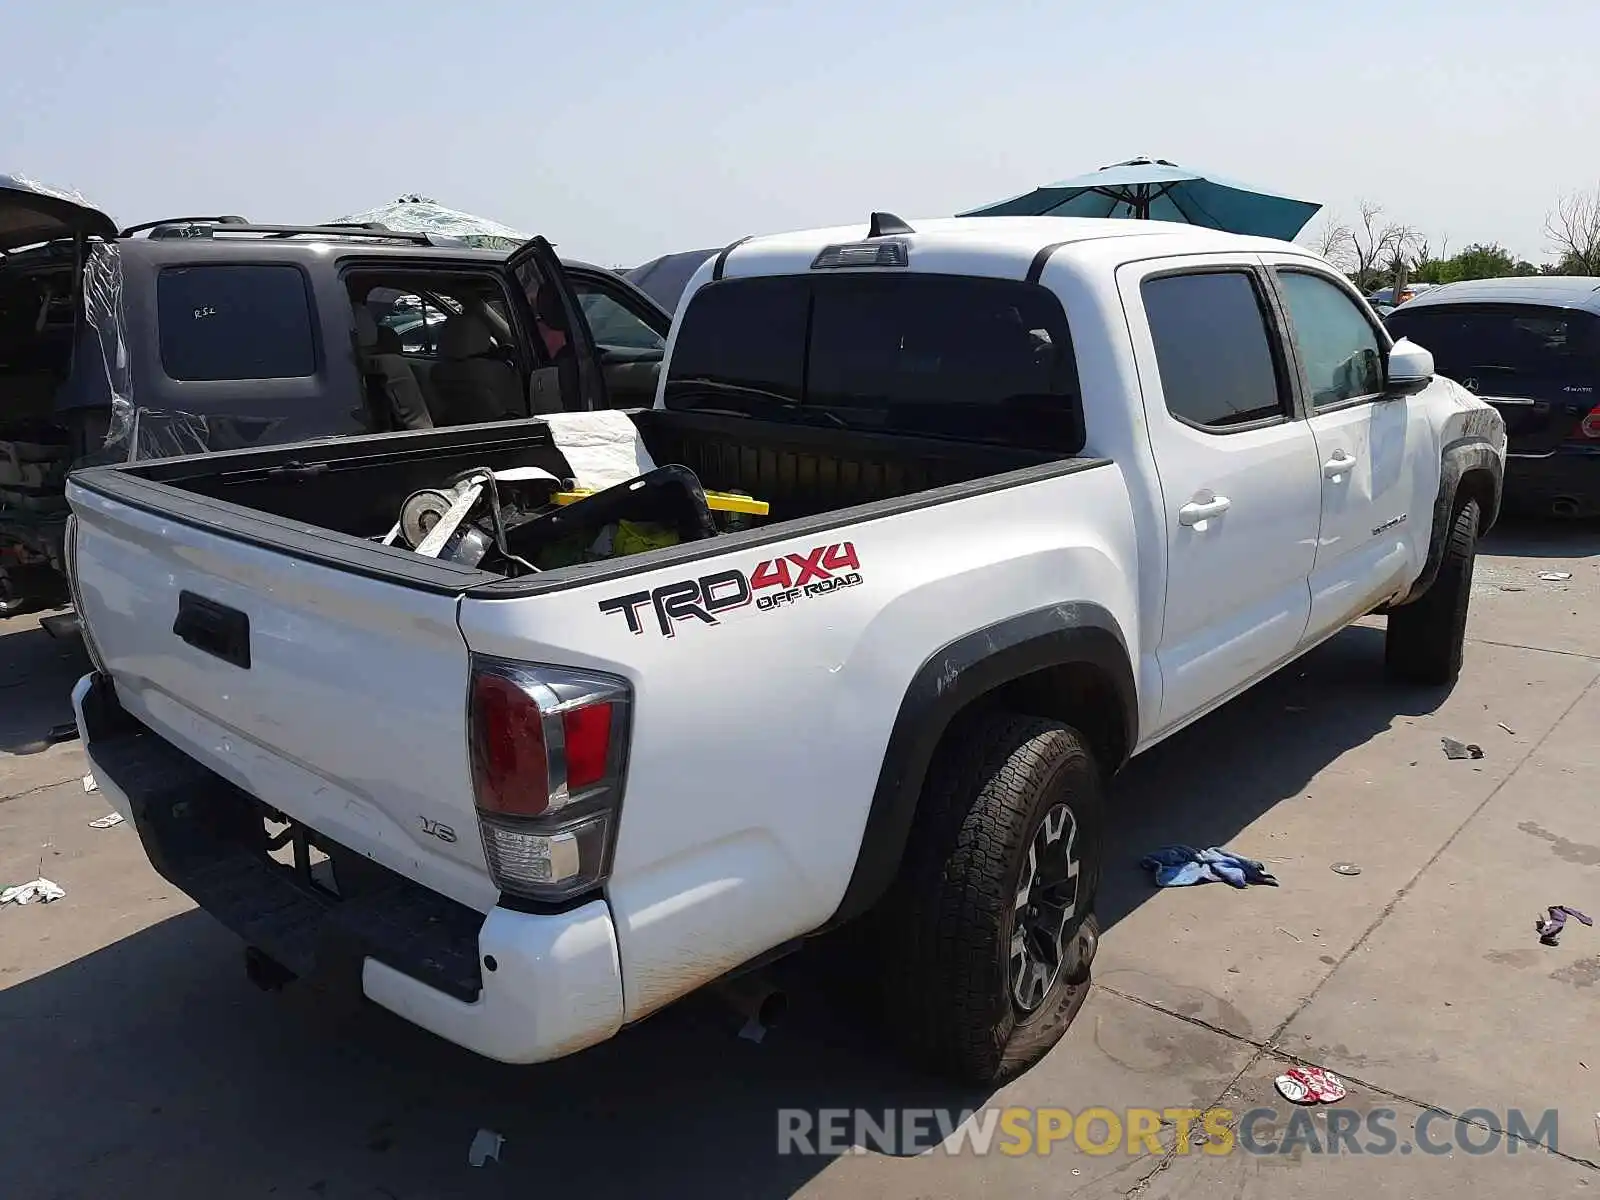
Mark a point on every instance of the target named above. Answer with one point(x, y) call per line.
point(140, 228)
point(211, 226)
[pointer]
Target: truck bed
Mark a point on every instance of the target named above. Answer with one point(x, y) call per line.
point(356, 486)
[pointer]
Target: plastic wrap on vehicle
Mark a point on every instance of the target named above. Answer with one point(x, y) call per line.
point(104, 315)
point(419, 214)
point(137, 431)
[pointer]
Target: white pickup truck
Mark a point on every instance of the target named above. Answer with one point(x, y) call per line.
point(1041, 492)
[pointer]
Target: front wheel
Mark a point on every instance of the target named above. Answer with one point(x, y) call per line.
point(988, 933)
point(1426, 638)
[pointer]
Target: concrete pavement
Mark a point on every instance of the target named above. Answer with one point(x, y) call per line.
point(147, 1063)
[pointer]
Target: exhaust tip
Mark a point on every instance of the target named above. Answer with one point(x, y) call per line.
point(266, 973)
point(755, 998)
point(774, 1008)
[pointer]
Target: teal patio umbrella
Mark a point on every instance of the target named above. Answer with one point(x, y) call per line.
point(1154, 189)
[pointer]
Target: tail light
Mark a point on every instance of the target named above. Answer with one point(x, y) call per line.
point(1589, 427)
point(549, 748)
point(69, 565)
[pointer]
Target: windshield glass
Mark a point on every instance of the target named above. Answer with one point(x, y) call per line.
point(1509, 340)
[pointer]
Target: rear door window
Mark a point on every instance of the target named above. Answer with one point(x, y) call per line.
point(1213, 349)
point(235, 322)
point(958, 357)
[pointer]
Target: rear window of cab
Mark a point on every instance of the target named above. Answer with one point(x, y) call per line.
point(960, 357)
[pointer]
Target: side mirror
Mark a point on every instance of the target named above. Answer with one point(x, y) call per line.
point(1410, 367)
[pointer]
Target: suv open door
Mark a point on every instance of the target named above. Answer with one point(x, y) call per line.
point(570, 379)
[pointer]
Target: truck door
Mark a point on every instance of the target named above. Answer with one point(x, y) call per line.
point(1239, 474)
point(566, 375)
point(1377, 453)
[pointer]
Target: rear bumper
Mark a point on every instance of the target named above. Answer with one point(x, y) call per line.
point(512, 986)
point(1539, 481)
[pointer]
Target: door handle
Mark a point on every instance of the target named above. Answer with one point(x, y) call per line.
point(1338, 465)
point(1196, 511)
point(213, 628)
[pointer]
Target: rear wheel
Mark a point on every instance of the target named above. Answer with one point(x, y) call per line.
point(1426, 639)
point(988, 933)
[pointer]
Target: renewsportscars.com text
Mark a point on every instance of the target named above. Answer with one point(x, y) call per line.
point(1325, 1130)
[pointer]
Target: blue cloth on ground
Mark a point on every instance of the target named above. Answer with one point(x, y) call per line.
point(1180, 866)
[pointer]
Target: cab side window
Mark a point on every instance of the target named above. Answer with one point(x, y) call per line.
point(1338, 348)
point(1214, 351)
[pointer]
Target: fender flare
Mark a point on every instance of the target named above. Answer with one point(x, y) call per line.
point(947, 682)
point(1455, 461)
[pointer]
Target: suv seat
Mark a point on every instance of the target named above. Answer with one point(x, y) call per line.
point(471, 383)
point(393, 390)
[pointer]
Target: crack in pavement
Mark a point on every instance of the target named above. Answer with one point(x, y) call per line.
point(42, 787)
point(1270, 1047)
point(1538, 649)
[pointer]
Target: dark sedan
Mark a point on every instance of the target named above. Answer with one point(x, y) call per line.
point(1531, 348)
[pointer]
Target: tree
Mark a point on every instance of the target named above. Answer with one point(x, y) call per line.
point(1331, 239)
point(1479, 261)
point(1376, 245)
point(1572, 230)
point(1431, 268)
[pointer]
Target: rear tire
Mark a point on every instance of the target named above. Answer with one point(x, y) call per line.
point(1426, 639)
point(988, 933)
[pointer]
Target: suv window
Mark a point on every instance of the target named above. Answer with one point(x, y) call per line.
point(1338, 347)
point(935, 355)
point(234, 322)
point(1213, 349)
point(614, 325)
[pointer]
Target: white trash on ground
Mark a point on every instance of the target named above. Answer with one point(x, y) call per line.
point(41, 890)
point(485, 1148)
point(89, 783)
point(107, 821)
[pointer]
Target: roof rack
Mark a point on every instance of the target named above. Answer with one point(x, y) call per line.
point(366, 230)
point(133, 229)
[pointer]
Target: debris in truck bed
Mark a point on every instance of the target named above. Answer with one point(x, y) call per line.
point(41, 890)
point(485, 1148)
point(1455, 749)
point(1549, 928)
point(602, 448)
point(1181, 866)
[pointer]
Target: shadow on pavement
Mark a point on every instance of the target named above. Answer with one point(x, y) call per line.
point(1525, 536)
point(37, 673)
point(1206, 783)
point(153, 1058)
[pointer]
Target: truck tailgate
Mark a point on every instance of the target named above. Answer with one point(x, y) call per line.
point(336, 698)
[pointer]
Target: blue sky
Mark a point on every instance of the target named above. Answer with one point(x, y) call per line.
point(622, 129)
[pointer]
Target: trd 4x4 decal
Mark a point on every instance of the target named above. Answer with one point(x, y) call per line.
point(774, 583)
